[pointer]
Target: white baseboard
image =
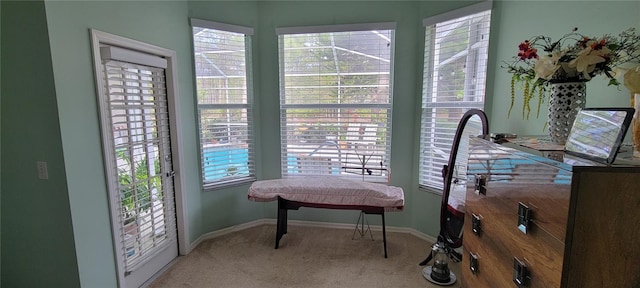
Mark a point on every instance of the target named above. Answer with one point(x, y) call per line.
point(225, 231)
point(243, 226)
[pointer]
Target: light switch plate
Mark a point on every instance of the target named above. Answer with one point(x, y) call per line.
point(42, 170)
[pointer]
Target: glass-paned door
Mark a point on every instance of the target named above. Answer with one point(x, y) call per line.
point(140, 164)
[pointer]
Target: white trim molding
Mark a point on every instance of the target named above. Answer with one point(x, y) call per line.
point(336, 28)
point(464, 11)
point(243, 226)
point(220, 26)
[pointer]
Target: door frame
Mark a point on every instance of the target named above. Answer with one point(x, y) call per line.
point(102, 38)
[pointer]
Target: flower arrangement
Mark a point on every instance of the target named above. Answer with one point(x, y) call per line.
point(572, 58)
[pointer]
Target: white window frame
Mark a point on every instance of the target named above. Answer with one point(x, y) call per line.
point(435, 153)
point(248, 173)
point(347, 159)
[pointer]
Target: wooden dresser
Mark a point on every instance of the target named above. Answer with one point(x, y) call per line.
point(543, 223)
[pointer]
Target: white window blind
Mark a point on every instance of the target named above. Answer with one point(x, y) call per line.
point(455, 67)
point(224, 102)
point(138, 110)
point(335, 100)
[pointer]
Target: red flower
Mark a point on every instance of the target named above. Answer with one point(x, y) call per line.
point(584, 41)
point(524, 45)
point(526, 52)
point(598, 45)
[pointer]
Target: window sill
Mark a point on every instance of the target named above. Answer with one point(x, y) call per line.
point(432, 190)
point(227, 184)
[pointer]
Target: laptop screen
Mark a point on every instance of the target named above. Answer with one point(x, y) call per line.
point(598, 132)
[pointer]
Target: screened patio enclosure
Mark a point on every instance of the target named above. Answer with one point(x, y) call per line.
point(335, 102)
point(224, 105)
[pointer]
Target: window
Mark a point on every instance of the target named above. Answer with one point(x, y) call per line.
point(455, 67)
point(224, 102)
point(335, 100)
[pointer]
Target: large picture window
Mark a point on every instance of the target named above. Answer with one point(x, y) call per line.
point(455, 68)
point(335, 100)
point(224, 102)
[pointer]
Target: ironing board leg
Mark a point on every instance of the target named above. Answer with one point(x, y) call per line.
point(281, 223)
point(384, 235)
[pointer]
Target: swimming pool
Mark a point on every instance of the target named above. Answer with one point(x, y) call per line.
point(223, 161)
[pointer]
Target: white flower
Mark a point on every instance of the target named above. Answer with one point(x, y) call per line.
point(632, 79)
point(569, 71)
point(546, 66)
point(586, 60)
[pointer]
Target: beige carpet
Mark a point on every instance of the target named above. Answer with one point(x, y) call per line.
point(307, 257)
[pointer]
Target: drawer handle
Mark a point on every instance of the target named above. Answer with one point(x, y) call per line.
point(520, 273)
point(475, 224)
point(525, 214)
point(473, 263)
point(481, 184)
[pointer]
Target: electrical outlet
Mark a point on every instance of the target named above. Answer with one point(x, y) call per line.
point(42, 170)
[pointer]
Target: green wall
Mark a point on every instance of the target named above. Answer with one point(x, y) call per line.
point(68, 214)
point(227, 207)
point(515, 21)
point(161, 23)
point(0, 140)
point(510, 26)
point(407, 86)
point(37, 237)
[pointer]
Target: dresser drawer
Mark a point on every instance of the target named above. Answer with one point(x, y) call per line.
point(499, 240)
point(548, 203)
point(492, 270)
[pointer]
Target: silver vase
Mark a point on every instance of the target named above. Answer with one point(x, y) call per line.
point(565, 100)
